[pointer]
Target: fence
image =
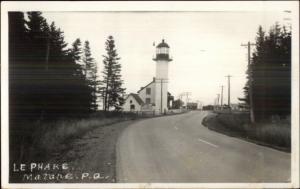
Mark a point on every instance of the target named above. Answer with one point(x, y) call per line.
point(152, 113)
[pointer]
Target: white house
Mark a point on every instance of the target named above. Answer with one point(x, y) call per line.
point(154, 96)
point(133, 103)
point(147, 94)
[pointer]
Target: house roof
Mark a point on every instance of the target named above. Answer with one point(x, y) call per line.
point(137, 98)
point(146, 85)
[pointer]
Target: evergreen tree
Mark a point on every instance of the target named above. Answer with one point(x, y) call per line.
point(76, 54)
point(112, 90)
point(271, 73)
point(18, 43)
point(81, 85)
point(76, 51)
point(46, 80)
point(91, 73)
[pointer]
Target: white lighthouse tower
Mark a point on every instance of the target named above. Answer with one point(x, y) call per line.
point(162, 60)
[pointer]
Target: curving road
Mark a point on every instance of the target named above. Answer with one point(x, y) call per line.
point(179, 149)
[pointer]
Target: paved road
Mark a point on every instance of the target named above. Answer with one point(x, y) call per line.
point(179, 149)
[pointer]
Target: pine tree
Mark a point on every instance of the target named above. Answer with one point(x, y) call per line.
point(46, 82)
point(76, 54)
point(38, 32)
point(271, 73)
point(112, 90)
point(76, 50)
point(83, 89)
point(90, 72)
point(18, 53)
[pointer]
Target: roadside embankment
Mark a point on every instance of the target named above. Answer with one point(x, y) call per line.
point(275, 134)
point(76, 144)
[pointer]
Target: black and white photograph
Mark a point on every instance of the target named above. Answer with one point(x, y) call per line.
point(150, 94)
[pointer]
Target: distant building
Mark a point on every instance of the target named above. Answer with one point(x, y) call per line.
point(154, 96)
point(192, 105)
point(208, 107)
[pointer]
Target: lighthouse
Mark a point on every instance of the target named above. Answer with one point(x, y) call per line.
point(153, 97)
point(162, 59)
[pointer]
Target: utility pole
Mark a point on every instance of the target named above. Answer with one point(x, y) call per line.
point(187, 99)
point(222, 97)
point(252, 117)
point(161, 95)
point(161, 92)
point(186, 94)
point(228, 78)
point(218, 99)
point(180, 100)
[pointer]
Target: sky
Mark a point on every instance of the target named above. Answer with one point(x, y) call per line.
point(205, 46)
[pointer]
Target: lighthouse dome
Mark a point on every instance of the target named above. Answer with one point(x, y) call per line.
point(162, 44)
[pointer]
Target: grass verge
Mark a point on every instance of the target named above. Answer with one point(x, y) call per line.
point(275, 134)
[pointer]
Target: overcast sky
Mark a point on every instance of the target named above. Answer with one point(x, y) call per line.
point(205, 46)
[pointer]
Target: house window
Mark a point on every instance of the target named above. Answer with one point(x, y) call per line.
point(130, 101)
point(148, 91)
point(148, 100)
point(132, 107)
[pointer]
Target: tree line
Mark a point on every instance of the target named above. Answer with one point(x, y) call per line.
point(49, 80)
point(269, 74)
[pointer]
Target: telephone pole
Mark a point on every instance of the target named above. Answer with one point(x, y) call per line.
point(222, 97)
point(187, 98)
point(161, 92)
point(218, 100)
point(186, 94)
point(248, 45)
point(228, 78)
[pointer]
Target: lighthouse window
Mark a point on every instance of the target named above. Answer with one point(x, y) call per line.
point(148, 100)
point(148, 91)
point(164, 50)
